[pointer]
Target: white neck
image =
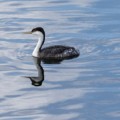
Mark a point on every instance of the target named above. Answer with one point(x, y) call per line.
point(36, 52)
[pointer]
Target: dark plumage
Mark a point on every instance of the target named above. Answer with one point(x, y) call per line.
point(58, 52)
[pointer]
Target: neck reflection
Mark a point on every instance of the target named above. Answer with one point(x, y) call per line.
point(37, 81)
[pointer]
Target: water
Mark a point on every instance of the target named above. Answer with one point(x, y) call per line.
point(85, 88)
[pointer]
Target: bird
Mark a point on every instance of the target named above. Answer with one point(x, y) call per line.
point(56, 52)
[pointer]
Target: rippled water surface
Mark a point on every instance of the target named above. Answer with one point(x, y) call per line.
point(85, 88)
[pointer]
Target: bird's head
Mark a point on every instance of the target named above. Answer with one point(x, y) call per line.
point(39, 31)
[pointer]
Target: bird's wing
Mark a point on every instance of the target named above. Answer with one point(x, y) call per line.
point(53, 51)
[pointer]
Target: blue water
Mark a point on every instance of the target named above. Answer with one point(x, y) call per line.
point(85, 88)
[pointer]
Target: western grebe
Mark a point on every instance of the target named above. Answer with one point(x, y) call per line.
point(57, 52)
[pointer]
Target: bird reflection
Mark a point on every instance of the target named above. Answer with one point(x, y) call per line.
point(37, 81)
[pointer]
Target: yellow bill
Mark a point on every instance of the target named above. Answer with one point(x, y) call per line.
point(27, 32)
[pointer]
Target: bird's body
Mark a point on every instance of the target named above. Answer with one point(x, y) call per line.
point(57, 52)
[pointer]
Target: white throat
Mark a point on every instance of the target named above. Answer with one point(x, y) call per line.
point(36, 51)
